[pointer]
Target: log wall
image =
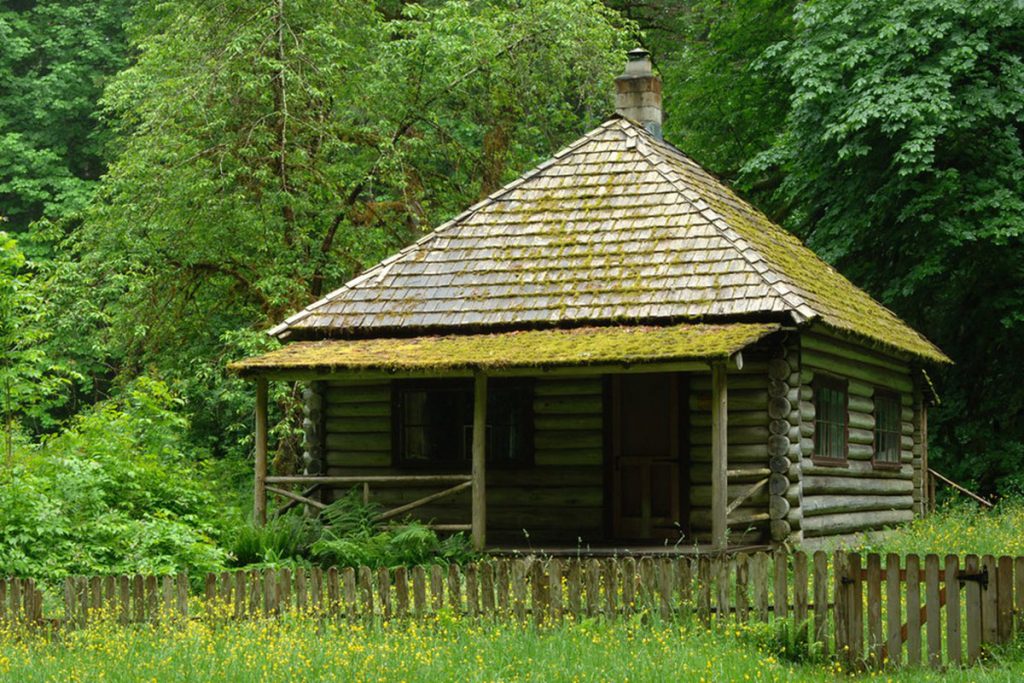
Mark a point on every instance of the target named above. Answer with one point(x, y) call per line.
point(748, 444)
point(857, 496)
point(559, 498)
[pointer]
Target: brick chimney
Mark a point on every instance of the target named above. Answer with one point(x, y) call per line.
point(638, 92)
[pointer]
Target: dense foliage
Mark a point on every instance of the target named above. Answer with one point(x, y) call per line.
point(119, 490)
point(903, 157)
point(180, 175)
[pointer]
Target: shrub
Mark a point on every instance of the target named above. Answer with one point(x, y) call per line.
point(118, 491)
point(351, 538)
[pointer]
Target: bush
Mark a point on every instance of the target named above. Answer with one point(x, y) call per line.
point(118, 491)
point(352, 538)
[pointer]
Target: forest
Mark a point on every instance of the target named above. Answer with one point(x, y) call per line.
point(177, 177)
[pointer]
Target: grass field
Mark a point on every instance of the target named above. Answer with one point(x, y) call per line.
point(438, 650)
point(449, 648)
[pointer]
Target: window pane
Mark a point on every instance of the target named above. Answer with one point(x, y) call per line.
point(436, 423)
point(830, 422)
point(888, 428)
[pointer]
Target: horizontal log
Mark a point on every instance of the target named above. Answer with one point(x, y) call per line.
point(736, 434)
point(380, 393)
point(861, 436)
point(358, 442)
point(827, 505)
point(779, 368)
point(743, 399)
point(854, 469)
point(582, 386)
point(547, 440)
point(568, 456)
point(907, 429)
point(806, 375)
point(814, 485)
point(740, 453)
point(869, 374)
point(861, 404)
point(779, 427)
point(563, 405)
point(807, 411)
point(856, 451)
point(778, 484)
point(778, 446)
point(735, 382)
point(701, 474)
point(906, 442)
point(497, 496)
point(420, 502)
point(851, 351)
point(777, 388)
point(779, 464)
point(531, 477)
point(860, 389)
point(859, 420)
point(907, 414)
point(780, 529)
point(358, 425)
point(806, 447)
point(779, 408)
point(381, 409)
point(806, 429)
point(548, 422)
point(358, 458)
point(778, 507)
point(700, 518)
point(828, 525)
point(700, 495)
point(385, 479)
point(737, 418)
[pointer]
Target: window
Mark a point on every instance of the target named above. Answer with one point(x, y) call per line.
point(434, 423)
point(888, 429)
point(830, 420)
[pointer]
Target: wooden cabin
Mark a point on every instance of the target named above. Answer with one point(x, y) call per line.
point(612, 351)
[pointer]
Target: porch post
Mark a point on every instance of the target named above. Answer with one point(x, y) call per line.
point(719, 455)
point(259, 504)
point(479, 460)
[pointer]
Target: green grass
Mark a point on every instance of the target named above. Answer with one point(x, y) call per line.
point(442, 649)
point(447, 648)
point(959, 529)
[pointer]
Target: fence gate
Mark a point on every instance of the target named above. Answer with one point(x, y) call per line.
point(939, 610)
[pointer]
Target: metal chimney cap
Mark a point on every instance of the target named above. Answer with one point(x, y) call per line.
point(638, 53)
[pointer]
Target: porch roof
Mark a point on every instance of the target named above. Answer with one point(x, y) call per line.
point(524, 349)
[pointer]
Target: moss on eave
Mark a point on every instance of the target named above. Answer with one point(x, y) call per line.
point(521, 349)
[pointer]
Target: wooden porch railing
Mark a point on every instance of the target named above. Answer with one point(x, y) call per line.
point(461, 482)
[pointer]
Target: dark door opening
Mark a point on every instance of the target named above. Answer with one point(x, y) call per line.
point(647, 463)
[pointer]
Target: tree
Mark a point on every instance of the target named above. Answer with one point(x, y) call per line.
point(267, 151)
point(55, 58)
point(904, 163)
point(722, 104)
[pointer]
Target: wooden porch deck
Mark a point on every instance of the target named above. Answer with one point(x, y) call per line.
point(625, 550)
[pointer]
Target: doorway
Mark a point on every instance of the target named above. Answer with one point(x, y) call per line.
point(646, 464)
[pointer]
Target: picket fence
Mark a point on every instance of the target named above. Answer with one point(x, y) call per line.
point(867, 611)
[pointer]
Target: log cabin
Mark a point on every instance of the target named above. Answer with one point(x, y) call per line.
point(613, 351)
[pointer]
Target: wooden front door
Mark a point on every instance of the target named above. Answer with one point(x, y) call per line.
point(646, 457)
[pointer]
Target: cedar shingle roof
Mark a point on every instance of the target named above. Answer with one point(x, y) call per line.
point(618, 226)
point(579, 346)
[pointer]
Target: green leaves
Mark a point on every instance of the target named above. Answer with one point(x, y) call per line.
point(903, 160)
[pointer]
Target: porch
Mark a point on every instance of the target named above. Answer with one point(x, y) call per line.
point(632, 455)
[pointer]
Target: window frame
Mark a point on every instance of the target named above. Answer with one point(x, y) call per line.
point(458, 385)
point(897, 398)
point(819, 382)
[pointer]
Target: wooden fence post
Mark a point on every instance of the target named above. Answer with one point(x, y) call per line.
point(821, 601)
point(933, 610)
point(953, 646)
point(893, 609)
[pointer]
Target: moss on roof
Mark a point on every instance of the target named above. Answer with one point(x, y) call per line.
point(523, 349)
point(617, 226)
